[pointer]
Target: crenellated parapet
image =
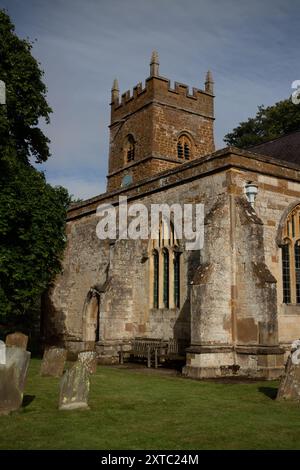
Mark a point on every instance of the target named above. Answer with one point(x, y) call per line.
point(159, 89)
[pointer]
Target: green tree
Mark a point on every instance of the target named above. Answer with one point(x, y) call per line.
point(25, 97)
point(32, 213)
point(32, 234)
point(269, 123)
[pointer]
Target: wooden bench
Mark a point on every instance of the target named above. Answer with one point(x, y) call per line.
point(176, 349)
point(153, 349)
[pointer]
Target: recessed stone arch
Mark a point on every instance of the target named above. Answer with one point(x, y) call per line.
point(91, 317)
point(280, 230)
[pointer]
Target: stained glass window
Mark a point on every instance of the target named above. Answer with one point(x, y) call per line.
point(155, 279)
point(291, 258)
point(166, 278)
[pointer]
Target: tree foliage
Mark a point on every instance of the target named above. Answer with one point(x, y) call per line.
point(32, 213)
point(32, 234)
point(269, 123)
point(25, 97)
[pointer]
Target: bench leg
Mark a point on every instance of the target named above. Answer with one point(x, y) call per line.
point(156, 358)
point(121, 355)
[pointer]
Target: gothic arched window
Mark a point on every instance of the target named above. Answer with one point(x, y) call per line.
point(129, 148)
point(177, 280)
point(166, 279)
point(290, 250)
point(165, 269)
point(155, 278)
point(184, 147)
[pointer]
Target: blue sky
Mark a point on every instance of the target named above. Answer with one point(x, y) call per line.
point(82, 45)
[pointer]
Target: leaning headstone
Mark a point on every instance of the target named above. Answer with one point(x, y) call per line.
point(2, 352)
point(89, 359)
point(17, 339)
point(53, 362)
point(10, 395)
point(12, 379)
point(74, 388)
point(20, 359)
point(289, 388)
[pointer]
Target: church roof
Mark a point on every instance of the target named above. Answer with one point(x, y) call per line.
point(286, 147)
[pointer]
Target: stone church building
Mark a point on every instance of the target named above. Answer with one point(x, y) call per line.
point(233, 305)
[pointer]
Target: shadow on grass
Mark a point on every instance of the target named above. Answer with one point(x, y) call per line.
point(27, 399)
point(270, 392)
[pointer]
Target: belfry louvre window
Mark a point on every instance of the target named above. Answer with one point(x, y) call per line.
point(184, 147)
point(179, 150)
point(165, 269)
point(130, 148)
point(290, 251)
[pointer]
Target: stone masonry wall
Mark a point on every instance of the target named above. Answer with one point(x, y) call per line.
point(124, 305)
point(274, 196)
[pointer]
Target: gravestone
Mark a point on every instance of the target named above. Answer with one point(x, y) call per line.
point(2, 352)
point(289, 388)
point(53, 362)
point(89, 359)
point(17, 339)
point(20, 359)
point(12, 379)
point(74, 388)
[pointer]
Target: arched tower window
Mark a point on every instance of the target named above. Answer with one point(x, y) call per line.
point(290, 250)
point(165, 269)
point(129, 148)
point(184, 147)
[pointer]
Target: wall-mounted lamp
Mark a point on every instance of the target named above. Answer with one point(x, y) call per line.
point(251, 191)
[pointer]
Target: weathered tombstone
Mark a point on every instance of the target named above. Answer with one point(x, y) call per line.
point(2, 352)
point(17, 339)
point(12, 379)
point(53, 362)
point(10, 395)
point(20, 359)
point(289, 388)
point(89, 359)
point(74, 388)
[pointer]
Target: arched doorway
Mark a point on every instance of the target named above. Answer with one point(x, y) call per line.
point(91, 317)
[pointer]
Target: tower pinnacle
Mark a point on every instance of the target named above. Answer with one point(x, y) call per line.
point(115, 91)
point(209, 83)
point(154, 65)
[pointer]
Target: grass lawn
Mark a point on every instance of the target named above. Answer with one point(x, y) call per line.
point(136, 410)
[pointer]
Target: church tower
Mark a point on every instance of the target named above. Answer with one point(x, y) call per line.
point(157, 127)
